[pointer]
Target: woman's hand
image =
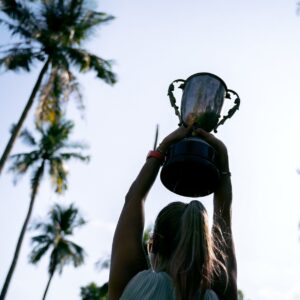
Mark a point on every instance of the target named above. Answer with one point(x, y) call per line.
point(174, 137)
point(218, 145)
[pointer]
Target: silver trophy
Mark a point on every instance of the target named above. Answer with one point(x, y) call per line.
point(191, 167)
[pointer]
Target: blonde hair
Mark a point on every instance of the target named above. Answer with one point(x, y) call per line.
point(184, 248)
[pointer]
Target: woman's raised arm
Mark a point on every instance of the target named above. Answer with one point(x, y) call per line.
point(128, 257)
point(225, 286)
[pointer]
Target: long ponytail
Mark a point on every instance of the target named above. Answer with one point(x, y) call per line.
point(192, 262)
point(185, 248)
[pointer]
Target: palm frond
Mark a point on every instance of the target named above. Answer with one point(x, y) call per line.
point(45, 228)
point(61, 130)
point(22, 161)
point(39, 251)
point(87, 23)
point(86, 61)
point(27, 23)
point(78, 254)
point(58, 175)
point(103, 69)
point(42, 238)
point(55, 94)
point(71, 219)
point(92, 18)
point(55, 215)
point(66, 252)
point(54, 136)
point(73, 155)
point(66, 218)
point(19, 58)
point(49, 107)
point(76, 145)
point(16, 29)
point(72, 88)
point(28, 138)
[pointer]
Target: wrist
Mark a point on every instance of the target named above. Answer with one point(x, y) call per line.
point(163, 147)
point(226, 173)
point(156, 154)
point(223, 161)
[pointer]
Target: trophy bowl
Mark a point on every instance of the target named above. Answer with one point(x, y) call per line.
point(190, 168)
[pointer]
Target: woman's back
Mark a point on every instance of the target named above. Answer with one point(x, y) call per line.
point(151, 285)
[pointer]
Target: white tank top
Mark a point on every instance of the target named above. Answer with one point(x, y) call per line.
point(151, 285)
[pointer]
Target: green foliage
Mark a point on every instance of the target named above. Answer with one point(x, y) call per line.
point(53, 236)
point(52, 149)
point(94, 292)
point(49, 153)
point(54, 31)
point(17, 59)
point(240, 295)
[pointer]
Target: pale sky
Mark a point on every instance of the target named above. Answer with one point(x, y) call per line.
point(254, 47)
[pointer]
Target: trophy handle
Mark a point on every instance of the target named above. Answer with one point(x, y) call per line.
point(173, 99)
point(232, 110)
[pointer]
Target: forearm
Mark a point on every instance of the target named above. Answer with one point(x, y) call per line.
point(144, 181)
point(130, 226)
point(222, 219)
point(128, 257)
point(223, 234)
point(223, 193)
point(223, 200)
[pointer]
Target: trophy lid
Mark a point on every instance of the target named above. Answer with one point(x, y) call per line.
point(208, 75)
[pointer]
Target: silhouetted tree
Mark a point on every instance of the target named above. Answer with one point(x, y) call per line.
point(49, 154)
point(54, 236)
point(51, 32)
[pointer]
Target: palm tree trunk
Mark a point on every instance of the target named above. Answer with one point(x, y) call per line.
point(16, 130)
point(48, 284)
point(34, 191)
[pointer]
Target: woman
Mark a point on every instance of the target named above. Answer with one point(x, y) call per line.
point(188, 262)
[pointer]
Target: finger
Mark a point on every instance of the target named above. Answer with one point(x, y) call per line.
point(204, 134)
point(188, 128)
point(211, 139)
point(183, 131)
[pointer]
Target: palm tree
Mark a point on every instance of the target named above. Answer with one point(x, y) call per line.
point(49, 154)
point(51, 32)
point(53, 237)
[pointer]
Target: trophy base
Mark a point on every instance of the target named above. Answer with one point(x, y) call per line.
point(190, 168)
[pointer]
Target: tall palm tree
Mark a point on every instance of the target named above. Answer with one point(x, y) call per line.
point(51, 32)
point(53, 237)
point(49, 154)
